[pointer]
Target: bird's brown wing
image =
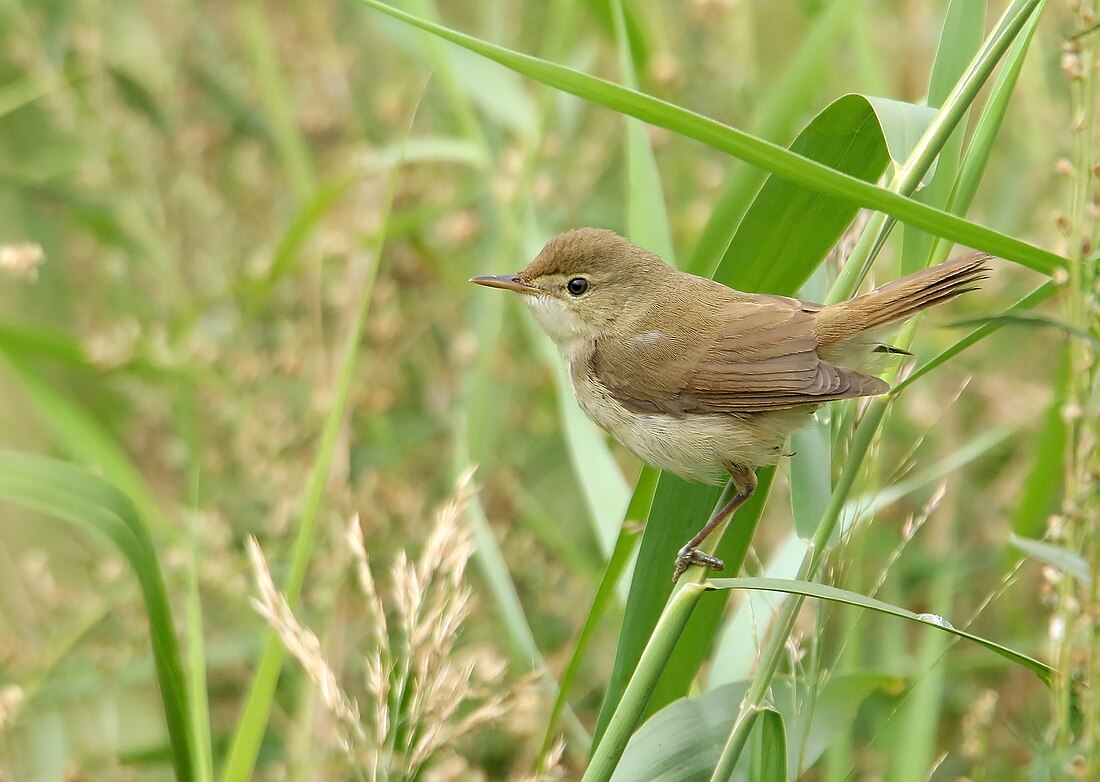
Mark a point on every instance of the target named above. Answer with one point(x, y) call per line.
point(753, 357)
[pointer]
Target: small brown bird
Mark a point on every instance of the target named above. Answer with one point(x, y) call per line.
point(698, 378)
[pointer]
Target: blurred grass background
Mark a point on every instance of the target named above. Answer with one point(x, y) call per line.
point(207, 182)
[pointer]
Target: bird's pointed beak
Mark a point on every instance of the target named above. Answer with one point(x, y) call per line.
point(509, 282)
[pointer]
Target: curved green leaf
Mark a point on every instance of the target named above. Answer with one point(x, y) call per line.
point(87, 501)
point(824, 592)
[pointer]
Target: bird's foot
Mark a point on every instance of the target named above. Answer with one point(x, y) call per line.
point(691, 556)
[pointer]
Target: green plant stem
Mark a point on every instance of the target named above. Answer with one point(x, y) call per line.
point(636, 695)
point(811, 563)
point(1076, 724)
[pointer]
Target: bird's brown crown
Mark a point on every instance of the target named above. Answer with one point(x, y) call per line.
point(593, 251)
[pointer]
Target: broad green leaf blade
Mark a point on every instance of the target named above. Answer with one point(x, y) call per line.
point(789, 229)
point(824, 592)
point(92, 503)
point(682, 742)
point(768, 761)
point(903, 125)
point(1058, 557)
point(750, 149)
point(678, 506)
point(811, 448)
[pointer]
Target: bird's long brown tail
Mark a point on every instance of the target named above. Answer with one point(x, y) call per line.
point(901, 299)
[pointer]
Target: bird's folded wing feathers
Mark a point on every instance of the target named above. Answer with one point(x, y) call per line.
point(754, 357)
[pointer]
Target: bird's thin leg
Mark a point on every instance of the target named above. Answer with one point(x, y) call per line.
point(744, 482)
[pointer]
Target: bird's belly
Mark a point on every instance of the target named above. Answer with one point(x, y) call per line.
point(695, 447)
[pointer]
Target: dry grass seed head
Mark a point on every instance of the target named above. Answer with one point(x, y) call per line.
point(302, 644)
point(366, 582)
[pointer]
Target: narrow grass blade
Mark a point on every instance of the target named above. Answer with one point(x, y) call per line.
point(866, 506)
point(22, 92)
point(824, 592)
point(753, 150)
point(35, 341)
point(988, 125)
point(196, 676)
point(1040, 294)
point(1058, 557)
point(300, 229)
point(646, 217)
point(639, 509)
point(289, 141)
point(640, 40)
point(92, 503)
point(606, 491)
point(525, 649)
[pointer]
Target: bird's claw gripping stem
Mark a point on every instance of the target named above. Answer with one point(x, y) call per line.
point(688, 556)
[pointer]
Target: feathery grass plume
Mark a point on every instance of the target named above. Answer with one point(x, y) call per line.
point(423, 693)
point(302, 644)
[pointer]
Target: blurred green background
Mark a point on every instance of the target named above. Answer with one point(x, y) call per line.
point(208, 181)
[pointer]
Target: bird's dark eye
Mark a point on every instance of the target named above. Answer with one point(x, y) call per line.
point(577, 286)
